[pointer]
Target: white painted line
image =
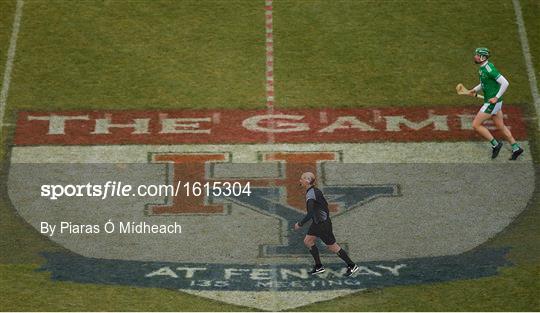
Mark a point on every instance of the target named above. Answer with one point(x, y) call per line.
point(272, 301)
point(269, 70)
point(268, 13)
point(269, 73)
point(368, 152)
point(323, 117)
point(9, 63)
point(216, 118)
point(527, 56)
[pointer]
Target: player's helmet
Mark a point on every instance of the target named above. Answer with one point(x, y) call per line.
point(482, 52)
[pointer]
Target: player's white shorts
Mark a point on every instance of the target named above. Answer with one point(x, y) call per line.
point(491, 108)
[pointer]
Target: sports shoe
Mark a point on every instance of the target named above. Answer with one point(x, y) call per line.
point(351, 270)
point(516, 153)
point(317, 270)
point(496, 149)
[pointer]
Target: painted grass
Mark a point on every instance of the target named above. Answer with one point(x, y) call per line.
point(514, 289)
point(34, 291)
point(192, 54)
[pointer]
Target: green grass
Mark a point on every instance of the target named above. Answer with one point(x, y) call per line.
point(133, 54)
point(391, 53)
point(531, 12)
point(7, 10)
point(20, 243)
point(509, 291)
point(210, 54)
point(6, 19)
point(33, 291)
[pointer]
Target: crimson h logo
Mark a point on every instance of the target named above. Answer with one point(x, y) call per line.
point(280, 197)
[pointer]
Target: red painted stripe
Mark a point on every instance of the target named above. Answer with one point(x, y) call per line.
point(233, 126)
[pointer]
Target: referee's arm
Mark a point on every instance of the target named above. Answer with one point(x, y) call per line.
point(310, 212)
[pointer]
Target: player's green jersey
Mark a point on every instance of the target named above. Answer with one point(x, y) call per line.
point(488, 78)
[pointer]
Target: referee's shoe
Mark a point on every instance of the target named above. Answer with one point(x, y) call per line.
point(351, 270)
point(317, 270)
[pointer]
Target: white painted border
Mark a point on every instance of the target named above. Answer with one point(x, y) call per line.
point(269, 71)
point(527, 56)
point(269, 43)
point(372, 152)
point(9, 63)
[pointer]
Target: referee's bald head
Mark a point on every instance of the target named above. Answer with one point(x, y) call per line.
point(308, 178)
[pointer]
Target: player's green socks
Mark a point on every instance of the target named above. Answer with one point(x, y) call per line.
point(494, 142)
point(515, 146)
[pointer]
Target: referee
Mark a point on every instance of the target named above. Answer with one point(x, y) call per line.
point(321, 226)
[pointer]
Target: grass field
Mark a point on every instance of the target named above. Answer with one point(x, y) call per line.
point(95, 55)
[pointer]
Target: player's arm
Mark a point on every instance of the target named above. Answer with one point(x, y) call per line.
point(310, 212)
point(473, 92)
point(503, 86)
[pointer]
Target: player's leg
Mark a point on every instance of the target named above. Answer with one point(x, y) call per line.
point(483, 115)
point(498, 119)
point(499, 123)
point(327, 236)
point(310, 242)
point(342, 254)
point(480, 118)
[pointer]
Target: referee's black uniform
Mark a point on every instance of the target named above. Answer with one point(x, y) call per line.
point(321, 227)
point(317, 212)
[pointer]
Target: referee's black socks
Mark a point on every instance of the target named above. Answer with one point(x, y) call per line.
point(345, 257)
point(315, 253)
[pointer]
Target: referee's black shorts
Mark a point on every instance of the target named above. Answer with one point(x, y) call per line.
point(324, 231)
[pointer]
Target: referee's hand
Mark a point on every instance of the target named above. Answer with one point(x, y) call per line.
point(297, 226)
